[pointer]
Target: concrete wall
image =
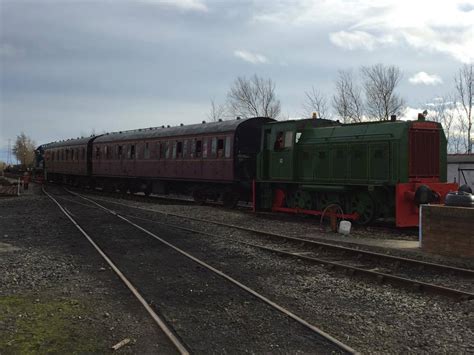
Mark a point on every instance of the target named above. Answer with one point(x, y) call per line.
point(448, 230)
point(459, 164)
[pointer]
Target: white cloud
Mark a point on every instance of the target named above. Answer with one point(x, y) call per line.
point(424, 25)
point(9, 51)
point(196, 5)
point(425, 79)
point(358, 39)
point(250, 57)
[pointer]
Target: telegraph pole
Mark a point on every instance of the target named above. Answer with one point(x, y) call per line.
point(9, 153)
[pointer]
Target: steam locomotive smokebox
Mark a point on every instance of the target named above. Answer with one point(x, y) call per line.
point(447, 230)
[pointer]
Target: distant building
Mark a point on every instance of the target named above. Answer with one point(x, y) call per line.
point(461, 169)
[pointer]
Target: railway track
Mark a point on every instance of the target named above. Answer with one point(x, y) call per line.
point(92, 224)
point(433, 278)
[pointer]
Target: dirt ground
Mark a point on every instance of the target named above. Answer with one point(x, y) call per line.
point(56, 293)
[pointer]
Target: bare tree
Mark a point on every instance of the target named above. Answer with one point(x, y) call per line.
point(464, 82)
point(380, 82)
point(216, 112)
point(253, 97)
point(24, 149)
point(315, 102)
point(347, 101)
point(443, 110)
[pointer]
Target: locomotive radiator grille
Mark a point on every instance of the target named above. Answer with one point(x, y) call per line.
point(424, 153)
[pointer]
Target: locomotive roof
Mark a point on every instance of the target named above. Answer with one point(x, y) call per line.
point(184, 130)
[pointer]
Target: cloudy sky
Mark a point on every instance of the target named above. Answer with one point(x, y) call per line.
point(71, 67)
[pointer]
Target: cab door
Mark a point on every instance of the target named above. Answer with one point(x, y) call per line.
point(281, 157)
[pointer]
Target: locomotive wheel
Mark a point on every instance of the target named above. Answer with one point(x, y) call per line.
point(303, 199)
point(364, 205)
point(299, 199)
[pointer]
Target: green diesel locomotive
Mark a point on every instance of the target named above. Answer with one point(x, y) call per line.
point(368, 170)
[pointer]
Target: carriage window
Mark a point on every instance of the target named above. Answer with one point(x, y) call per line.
point(167, 150)
point(204, 148)
point(185, 148)
point(179, 150)
point(119, 151)
point(214, 147)
point(52, 156)
point(72, 154)
point(132, 151)
point(227, 147)
point(107, 152)
point(83, 153)
point(220, 148)
point(97, 152)
point(198, 149)
point(161, 151)
point(146, 152)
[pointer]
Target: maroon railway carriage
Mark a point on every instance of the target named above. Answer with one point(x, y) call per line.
point(68, 161)
point(209, 160)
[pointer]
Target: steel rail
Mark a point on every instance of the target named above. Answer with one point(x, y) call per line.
point(380, 277)
point(340, 248)
point(168, 332)
point(259, 296)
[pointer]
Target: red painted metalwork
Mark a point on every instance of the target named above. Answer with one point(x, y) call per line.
point(406, 209)
point(278, 203)
point(424, 151)
point(424, 125)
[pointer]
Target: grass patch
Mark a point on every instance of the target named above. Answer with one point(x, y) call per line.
point(53, 326)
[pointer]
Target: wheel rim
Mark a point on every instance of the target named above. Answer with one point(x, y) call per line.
point(364, 205)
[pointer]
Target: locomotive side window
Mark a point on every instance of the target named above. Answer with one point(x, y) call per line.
point(198, 149)
point(288, 139)
point(297, 137)
point(279, 142)
point(220, 147)
point(227, 147)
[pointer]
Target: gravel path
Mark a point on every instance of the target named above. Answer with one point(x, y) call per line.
point(56, 293)
point(371, 318)
point(209, 313)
